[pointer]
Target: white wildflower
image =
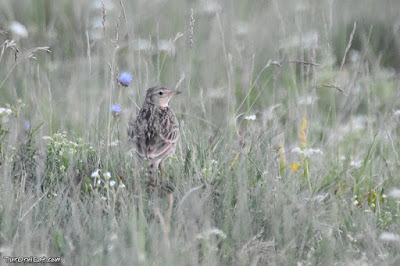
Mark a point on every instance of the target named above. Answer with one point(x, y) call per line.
point(356, 202)
point(307, 100)
point(98, 4)
point(359, 122)
point(112, 183)
point(121, 185)
point(5, 111)
point(208, 233)
point(103, 198)
point(388, 236)
point(354, 56)
point(95, 173)
point(395, 193)
point(250, 117)
point(210, 7)
point(99, 182)
point(321, 197)
point(356, 164)
point(114, 143)
point(242, 28)
point(47, 138)
point(297, 150)
point(142, 45)
point(107, 175)
point(18, 29)
point(397, 112)
point(307, 152)
point(166, 46)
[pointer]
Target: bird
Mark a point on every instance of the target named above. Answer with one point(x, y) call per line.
point(155, 131)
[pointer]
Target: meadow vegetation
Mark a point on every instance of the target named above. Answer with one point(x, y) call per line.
point(289, 119)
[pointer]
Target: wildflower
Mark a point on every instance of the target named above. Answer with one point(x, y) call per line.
point(112, 183)
point(395, 193)
point(294, 167)
point(320, 197)
point(250, 117)
point(356, 164)
point(95, 173)
point(107, 175)
point(27, 125)
point(167, 47)
point(207, 234)
point(307, 100)
point(124, 79)
point(121, 185)
point(213, 162)
point(142, 45)
point(115, 110)
point(388, 236)
point(5, 111)
point(47, 138)
point(210, 7)
point(114, 143)
point(307, 152)
point(18, 29)
point(241, 28)
point(99, 182)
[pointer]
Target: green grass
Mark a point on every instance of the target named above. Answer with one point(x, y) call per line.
point(235, 199)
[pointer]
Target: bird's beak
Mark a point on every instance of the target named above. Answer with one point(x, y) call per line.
point(172, 93)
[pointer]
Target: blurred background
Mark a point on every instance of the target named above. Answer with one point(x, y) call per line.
point(220, 55)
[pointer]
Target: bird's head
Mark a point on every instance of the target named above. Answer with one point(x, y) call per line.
point(160, 96)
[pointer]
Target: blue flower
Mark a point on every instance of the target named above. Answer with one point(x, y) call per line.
point(125, 79)
point(115, 109)
point(27, 125)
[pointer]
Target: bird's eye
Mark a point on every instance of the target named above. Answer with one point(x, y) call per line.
point(161, 93)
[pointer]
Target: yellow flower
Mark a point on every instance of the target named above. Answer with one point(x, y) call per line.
point(294, 167)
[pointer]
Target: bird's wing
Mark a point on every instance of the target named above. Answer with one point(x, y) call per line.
point(169, 127)
point(137, 133)
point(158, 148)
point(166, 135)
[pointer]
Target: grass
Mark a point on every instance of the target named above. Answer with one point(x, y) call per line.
point(311, 181)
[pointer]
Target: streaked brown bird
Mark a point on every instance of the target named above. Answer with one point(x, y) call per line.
point(155, 130)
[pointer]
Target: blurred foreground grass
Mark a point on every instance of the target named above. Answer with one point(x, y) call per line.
point(289, 119)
